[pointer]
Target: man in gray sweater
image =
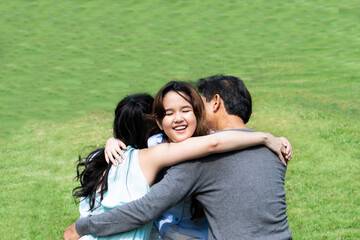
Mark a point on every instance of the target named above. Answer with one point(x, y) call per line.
point(242, 192)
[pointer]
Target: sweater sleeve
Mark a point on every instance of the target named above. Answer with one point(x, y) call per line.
point(179, 182)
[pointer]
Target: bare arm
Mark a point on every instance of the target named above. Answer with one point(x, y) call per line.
point(114, 146)
point(172, 153)
point(153, 159)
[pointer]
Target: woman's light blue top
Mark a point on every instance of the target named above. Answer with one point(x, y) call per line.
point(177, 218)
point(126, 183)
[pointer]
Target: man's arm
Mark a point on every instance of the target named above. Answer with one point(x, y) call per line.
point(179, 182)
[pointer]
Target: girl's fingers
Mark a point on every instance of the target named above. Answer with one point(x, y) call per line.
point(280, 154)
point(282, 159)
point(122, 145)
point(120, 156)
point(112, 160)
point(114, 153)
point(288, 148)
point(290, 153)
point(106, 158)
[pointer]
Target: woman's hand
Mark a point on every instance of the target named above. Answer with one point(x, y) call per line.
point(276, 145)
point(113, 150)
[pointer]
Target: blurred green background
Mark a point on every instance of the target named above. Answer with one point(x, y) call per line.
point(64, 66)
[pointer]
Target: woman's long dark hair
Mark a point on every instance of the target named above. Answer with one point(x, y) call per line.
point(131, 125)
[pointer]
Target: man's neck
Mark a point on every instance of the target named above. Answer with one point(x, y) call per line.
point(230, 122)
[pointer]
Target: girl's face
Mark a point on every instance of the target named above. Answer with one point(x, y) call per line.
point(179, 122)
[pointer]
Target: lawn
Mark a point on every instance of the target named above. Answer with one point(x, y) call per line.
point(64, 65)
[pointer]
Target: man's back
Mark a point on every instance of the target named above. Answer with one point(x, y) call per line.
point(243, 195)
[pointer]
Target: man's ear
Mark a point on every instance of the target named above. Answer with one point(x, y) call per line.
point(159, 124)
point(216, 101)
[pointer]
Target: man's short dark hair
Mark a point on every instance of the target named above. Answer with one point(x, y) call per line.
point(233, 92)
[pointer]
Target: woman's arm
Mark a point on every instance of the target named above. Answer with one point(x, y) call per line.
point(168, 154)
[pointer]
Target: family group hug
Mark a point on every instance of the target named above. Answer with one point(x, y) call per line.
point(184, 165)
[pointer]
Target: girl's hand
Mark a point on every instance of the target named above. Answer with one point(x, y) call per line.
point(276, 145)
point(113, 150)
point(288, 151)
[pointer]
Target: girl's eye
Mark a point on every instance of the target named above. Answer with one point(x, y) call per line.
point(168, 114)
point(186, 111)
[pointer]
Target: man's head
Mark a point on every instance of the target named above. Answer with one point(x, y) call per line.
point(228, 89)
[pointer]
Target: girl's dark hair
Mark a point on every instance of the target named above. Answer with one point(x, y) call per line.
point(131, 125)
point(190, 94)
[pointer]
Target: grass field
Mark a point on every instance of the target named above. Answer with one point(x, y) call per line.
point(64, 65)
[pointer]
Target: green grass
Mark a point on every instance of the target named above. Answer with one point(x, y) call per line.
point(64, 65)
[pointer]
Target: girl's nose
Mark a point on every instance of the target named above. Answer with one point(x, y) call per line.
point(178, 117)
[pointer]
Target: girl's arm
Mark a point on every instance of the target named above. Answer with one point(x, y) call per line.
point(113, 150)
point(168, 154)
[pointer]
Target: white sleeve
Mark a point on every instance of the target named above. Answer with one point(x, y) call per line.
point(155, 140)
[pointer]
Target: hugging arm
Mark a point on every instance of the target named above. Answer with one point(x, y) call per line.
point(179, 182)
point(202, 146)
